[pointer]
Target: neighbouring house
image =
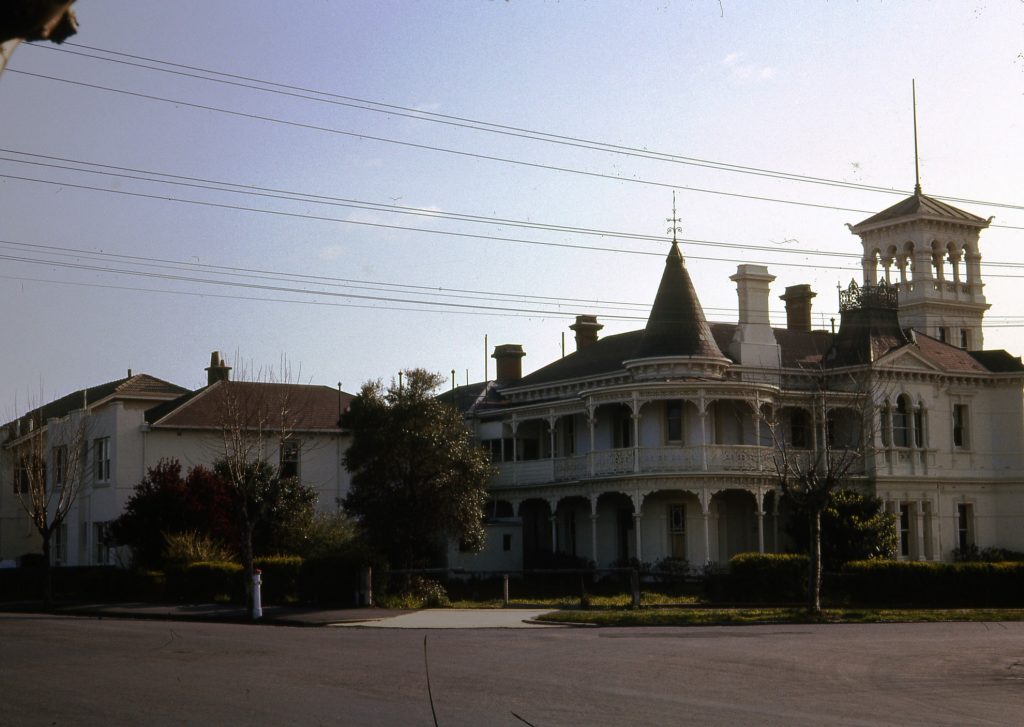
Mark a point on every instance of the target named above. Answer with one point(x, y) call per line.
point(134, 423)
point(105, 422)
point(666, 442)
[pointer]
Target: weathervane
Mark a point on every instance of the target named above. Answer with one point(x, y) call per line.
point(673, 219)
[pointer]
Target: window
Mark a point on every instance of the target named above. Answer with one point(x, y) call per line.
point(569, 436)
point(506, 542)
point(901, 422)
point(622, 427)
point(101, 551)
point(677, 530)
point(905, 529)
point(60, 464)
point(673, 421)
point(21, 476)
point(886, 416)
point(493, 447)
point(964, 525)
point(101, 459)
point(60, 545)
point(290, 458)
point(943, 334)
point(963, 338)
point(799, 428)
point(960, 425)
point(918, 427)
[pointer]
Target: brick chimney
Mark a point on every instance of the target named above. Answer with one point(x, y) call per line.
point(217, 371)
point(586, 328)
point(798, 307)
point(509, 362)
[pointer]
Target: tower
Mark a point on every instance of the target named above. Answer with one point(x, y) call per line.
point(934, 247)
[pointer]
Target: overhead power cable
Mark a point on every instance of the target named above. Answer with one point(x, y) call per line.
point(448, 150)
point(485, 126)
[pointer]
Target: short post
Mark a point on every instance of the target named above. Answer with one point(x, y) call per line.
point(634, 585)
point(257, 603)
point(505, 590)
point(365, 595)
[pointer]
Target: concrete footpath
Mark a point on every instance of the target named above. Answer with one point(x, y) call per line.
point(441, 618)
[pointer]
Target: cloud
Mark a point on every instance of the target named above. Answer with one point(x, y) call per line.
point(743, 71)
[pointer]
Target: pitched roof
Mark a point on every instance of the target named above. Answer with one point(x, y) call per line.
point(920, 205)
point(677, 326)
point(998, 361)
point(139, 386)
point(306, 407)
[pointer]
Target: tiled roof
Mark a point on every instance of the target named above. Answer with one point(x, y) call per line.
point(308, 407)
point(464, 398)
point(139, 386)
point(920, 205)
point(677, 326)
point(607, 354)
point(998, 361)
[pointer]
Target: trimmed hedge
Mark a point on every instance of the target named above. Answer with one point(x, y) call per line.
point(917, 583)
point(217, 581)
point(766, 578)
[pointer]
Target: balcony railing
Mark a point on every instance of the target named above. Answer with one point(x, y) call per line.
point(652, 460)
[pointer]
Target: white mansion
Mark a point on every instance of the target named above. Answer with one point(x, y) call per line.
point(665, 442)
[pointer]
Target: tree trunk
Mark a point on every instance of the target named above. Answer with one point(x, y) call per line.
point(247, 558)
point(47, 574)
point(814, 576)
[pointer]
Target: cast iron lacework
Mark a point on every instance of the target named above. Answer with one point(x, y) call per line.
point(856, 297)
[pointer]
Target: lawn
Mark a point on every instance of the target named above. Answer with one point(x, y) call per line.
point(742, 616)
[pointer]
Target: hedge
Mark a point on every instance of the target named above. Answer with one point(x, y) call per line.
point(917, 583)
point(203, 582)
point(765, 578)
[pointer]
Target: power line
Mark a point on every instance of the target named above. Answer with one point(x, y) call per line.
point(380, 225)
point(489, 127)
point(447, 150)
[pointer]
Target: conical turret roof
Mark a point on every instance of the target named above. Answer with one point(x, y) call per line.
point(677, 326)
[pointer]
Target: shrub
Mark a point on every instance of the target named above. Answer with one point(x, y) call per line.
point(215, 581)
point(972, 554)
point(194, 547)
point(418, 592)
point(767, 577)
point(917, 583)
point(280, 578)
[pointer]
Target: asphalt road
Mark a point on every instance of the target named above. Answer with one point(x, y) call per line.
point(82, 671)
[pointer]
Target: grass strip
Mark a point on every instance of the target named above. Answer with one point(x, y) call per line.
point(749, 616)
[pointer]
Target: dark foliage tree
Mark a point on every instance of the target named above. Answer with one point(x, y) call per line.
point(418, 477)
point(204, 502)
point(166, 503)
point(854, 526)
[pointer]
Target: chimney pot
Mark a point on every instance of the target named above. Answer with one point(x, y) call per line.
point(217, 371)
point(509, 362)
point(586, 328)
point(798, 307)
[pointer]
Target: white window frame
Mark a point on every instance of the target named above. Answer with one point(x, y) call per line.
point(101, 459)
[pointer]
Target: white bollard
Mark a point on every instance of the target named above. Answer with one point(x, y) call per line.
point(257, 603)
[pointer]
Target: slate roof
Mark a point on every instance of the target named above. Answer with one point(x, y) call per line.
point(309, 407)
point(677, 326)
point(998, 361)
point(920, 205)
point(138, 386)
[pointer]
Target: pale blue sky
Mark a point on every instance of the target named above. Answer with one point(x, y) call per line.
point(812, 88)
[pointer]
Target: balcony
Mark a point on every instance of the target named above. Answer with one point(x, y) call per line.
point(715, 458)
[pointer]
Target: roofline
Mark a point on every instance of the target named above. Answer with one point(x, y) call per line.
point(869, 227)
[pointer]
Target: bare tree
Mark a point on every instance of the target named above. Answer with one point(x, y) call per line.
point(50, 469)
point(256, 440)
point(821, 442)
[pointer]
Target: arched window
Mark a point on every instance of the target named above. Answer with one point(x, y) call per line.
point(901, 422)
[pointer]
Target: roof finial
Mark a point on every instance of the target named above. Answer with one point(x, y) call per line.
point(674, 220)
point(917, 172)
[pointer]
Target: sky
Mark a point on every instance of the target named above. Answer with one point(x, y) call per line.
point(333, 191)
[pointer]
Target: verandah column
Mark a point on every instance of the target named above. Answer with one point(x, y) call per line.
point(593, 529)
point(759, 498)
point(705, 504)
